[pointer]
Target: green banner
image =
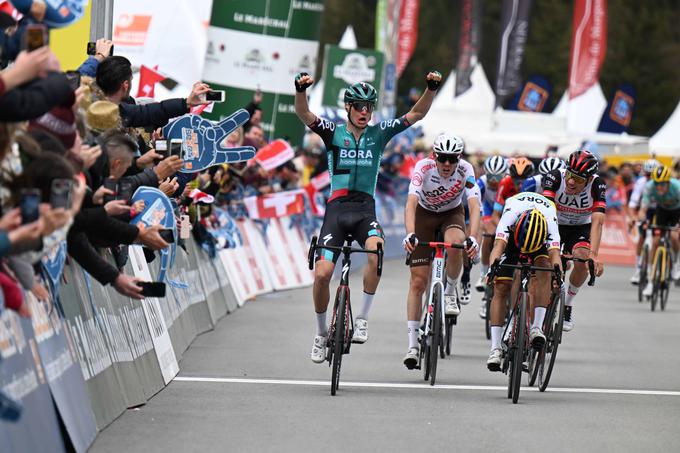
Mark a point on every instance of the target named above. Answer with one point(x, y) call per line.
point(344, 67)
point(262, 44)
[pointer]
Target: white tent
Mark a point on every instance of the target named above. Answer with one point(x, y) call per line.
point(666, 141)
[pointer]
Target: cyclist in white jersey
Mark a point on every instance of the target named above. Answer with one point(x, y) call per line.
point(579, 194)
point(535, 183)
point(435, 203)
point(632, 211)
point(528, 227)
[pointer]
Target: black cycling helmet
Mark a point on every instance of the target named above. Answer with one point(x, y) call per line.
point(361, 91)
point(582, 163)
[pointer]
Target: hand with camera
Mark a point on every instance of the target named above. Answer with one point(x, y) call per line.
point(169, 186)
point(168, 167)
point(103, 49)
point(197, 95)
point(53, 219)
point(29, 232)
point(150, 237)
point(11, 220)
point(148, 159)
point(303, 81)
point(128, 286)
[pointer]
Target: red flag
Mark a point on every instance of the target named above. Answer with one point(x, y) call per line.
point(274, 154)
point(198, 109)
point(9, 9)
point(148, 78)
point(407, 166)
point(588, 45)
point(279, 204)
point(321, 180)
point(408, 33)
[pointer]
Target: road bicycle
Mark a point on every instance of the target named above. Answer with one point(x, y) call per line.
point(541, 362)
point(644, 262)
point(662, 267)
point(488, 295)
point(436, 335)
point(515, 343)
point(341, 328)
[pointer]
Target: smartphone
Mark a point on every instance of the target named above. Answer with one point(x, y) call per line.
point(60, 193)
point(215, 96)
point(167, 235)
point(73, 79)
point(30, 205)
point(124, 191)
point(161, 147)
point(184, 227)
point(152, 289)
point(92, 49)
point(112, 185)
point(176, 147)
point(34, 37)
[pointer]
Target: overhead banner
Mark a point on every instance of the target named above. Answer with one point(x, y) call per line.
point(619, 113)
point(588, 45)
point(408, 33)
point(262, 46)
point(514, 33)
point(469, 43)
point(534, 96)
point(344, 67)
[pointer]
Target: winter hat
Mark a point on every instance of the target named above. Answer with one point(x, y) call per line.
point(102, 116)
point(60, 122)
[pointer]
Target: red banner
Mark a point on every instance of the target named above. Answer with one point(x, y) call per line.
point(274, 154)
point(588, 45)
point(148, 78)
point(408, 33)
point(617, 245)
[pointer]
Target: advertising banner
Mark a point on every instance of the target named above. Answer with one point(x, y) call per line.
point(588, 45)
point(344, 67)
point(619, 112)
point(469, 43)
point(387, 20)
point(262, 45)
point(408, 33)
point(534, 95)
point(58, 13)
point(514, 33)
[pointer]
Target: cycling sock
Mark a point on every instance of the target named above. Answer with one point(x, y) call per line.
point(368, 300)
point(539, 315)
point(450, 285)
point(496, 337)
point(638, 263)
point(572, 291)
point(485, 269)
point(321, 328)
point(413, 327)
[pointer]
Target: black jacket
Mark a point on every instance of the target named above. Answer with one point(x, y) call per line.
point(36, 98)
point(155, 114)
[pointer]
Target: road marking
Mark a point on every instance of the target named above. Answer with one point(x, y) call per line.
point(396, 385)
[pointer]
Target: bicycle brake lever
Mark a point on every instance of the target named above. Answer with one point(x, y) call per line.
point(591, 270)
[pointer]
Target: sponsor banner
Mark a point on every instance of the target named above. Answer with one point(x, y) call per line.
point(171, 35)
point(299, 244)
point(263, 45)
point(617, 243)
point(278, 204)
point(282, 257)
point(274, 154)
point(154, 318)
point(469, 43)
point(58, 13)
point(619, 113)
point(343, 67)
point(534, 96)
point(253, 248)
point(408, 33)
point(514, 33)
point(588, 45)
point(242, 280)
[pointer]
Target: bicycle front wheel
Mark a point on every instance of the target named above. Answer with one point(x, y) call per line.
point(553, 340)
point(488, 295)
point(339, 338)
point(519, 347)
point(436, 338)
point(449, 334)
point(643, 272)
point(666, 284)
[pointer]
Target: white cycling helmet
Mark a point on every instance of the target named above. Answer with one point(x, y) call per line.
point(649, 165)
point(448, 144)
point(495, 165)
point(549, 164)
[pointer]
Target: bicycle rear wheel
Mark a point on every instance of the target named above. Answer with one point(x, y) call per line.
point(657, 276)
point(436, 332)
point(519, 347)
point(553, 340)
point(339, 338)
point(644, 259)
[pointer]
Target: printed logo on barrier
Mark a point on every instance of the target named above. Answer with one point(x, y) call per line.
point(203, 141)
point(622, 108)
point(53, 263)
point(131, 29)
point(58, 13)
point(533, 98)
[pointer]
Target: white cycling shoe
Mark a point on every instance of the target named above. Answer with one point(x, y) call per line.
point(481, 284)
point(635, 279)
point(360, 331)
point(568, 321)
point(536, 337)
point(465, 297)
point(451, 308)
point(482, 310)
point(675, 274)
point(493, 363)
point(318, 354)
point(411, 358)
point(649, 289)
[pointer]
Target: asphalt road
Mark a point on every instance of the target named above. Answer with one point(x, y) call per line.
point(249, 385)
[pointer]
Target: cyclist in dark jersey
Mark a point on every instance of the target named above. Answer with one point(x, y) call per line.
point(354, 151)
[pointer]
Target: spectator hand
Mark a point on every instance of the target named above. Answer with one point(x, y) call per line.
point(147, 159)
point(53, 219)
point(168, 167)
point(78, 194)
point(89, 154)
point(27, 67)
point(127, 286)
point(40, 292)
point(100, 194)
point(11, 220)
point(150, 237)
point(103, 47)
point(196, 96)
point(38, 10)
point(117, 207)
point(26, 233)
point(137, 207)
point(169, 186)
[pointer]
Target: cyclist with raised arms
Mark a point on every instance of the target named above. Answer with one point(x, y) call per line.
point(633, 209)
point(495, 168)
point(665, 191)
point(535, 183)
point(579, 194)
point(520, 169)
point(528, 227)
point(354, 151)
point(435, 203)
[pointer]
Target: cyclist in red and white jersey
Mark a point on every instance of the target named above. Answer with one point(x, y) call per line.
point(579, 194)
point(435, 203)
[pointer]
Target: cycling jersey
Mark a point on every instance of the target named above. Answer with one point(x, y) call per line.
point(638, 190)
point(668, 201)
point(533, 184)
point(575, 209)
point(516, 205)
point(487, 195)
point(354, 166)
point(506, 189)
point(438, 194)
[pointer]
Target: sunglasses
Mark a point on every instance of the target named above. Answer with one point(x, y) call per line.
point(444, 158)
point(575, 177)
point(494, 178)
point(361, 105)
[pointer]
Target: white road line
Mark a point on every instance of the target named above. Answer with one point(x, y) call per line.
point(395, 385)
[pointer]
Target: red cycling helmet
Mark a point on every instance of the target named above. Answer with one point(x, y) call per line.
point(582, 163)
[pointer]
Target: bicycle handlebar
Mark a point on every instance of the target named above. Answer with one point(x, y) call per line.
point(314, 246)
point(493, 269)
point(589, 262)
point(663, 227)
point(439, 245)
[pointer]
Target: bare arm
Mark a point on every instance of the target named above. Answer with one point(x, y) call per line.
point(410, 214)
point(301, 104)
point(420, 109)
point(473, 207)
point(497, 251)
point(596, 232)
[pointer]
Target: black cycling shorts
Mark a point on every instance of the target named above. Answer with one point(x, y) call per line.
point(574, 236)
point(347, 217)
point(512, 255)
point(667, 217)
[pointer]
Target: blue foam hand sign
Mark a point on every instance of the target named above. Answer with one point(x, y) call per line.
point(203, 140)
point(58, 13)
point(158, 210)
